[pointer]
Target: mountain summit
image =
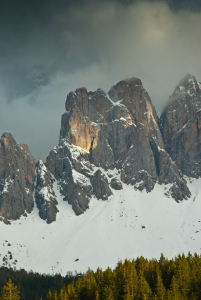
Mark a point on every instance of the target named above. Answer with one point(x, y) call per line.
point(106, 140)
point(181, 124)
point(131, 177)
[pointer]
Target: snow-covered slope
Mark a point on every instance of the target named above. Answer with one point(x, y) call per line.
point(130, 224)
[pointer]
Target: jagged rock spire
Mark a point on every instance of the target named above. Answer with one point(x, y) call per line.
point(181, 124)
point(17, 174)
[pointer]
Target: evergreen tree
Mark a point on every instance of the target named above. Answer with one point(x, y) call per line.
point(164, 264)
point(152, 272)
point(174, 293)
point(160, 289)
point(10, 291)
point(109, 290)
point(100, 282)
point(63, 293)
point(195, 288)
point(142, 264)
point(108, 293)
point(55, 295)
point(97, 297)
point(49, 295)
point(71, 292)
point(144, 291)
point(183, 276)
point(86, 286)
point(131, 282)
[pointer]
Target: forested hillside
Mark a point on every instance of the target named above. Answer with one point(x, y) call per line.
point(179, 278)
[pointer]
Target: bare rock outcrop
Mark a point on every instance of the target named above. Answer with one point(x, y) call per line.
point(107, 140)
point(180, 124)
point(110, 131)
point(44, 193)
point(100, 185)
point(70, 166)
point(17, 175)
point(168, 174)
point(116, 184)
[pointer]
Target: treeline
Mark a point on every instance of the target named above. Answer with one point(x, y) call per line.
point(33, 286)
point(139, 279)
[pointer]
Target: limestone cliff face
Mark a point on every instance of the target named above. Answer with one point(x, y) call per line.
point(118, 130)
point(44, 193)
point(70, 166)
point(17, 174)
point(106, 141)
point(181, 126)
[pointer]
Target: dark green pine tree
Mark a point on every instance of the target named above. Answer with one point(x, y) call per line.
point(160, 289)
point(131, 282)
point(10, 291)
point(164, 265)
point(120, 278)
point(108, 293)
point(154, 297)
point(71, 292)
point(142, 264)
point(63, 293)
point(109, 288)
point(49, 295)
point(174, 292)
point(195, 288)
point(151, 274)
point(100, 283)
point(144, 291)
point(183, 276)
point(55, 295)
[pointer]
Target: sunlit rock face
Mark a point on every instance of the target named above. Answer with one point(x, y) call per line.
point(180, 125)
point(114, 131)
point(106, 140)
point(17, 175)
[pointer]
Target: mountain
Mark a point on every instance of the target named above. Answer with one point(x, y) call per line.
point(121, 182)
point(181, 126)
point(109, 131)
point(17, 175)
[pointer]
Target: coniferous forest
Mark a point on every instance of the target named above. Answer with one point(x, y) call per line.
point(178, 279)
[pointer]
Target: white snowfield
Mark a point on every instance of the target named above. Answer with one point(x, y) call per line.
point(130, 224)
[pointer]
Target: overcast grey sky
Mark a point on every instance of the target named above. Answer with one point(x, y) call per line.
point(49, 48)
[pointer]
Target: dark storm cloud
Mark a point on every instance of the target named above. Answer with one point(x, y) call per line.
point(36, 42)
point(48, 48)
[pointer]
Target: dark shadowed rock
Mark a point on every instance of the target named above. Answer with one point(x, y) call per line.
point(17, 175)
point(169, 174)
point(139, 167)
point(44, 193)
point(180, 124)
point(100, 185)
point(70, 166)
point(116, 184)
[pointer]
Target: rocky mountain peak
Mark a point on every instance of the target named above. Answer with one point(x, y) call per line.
point(188, 86)
point(17, 174)
point(115, 131)
point(7, 140)
point(117, 92)
point(180, 126)
point(107, 141)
